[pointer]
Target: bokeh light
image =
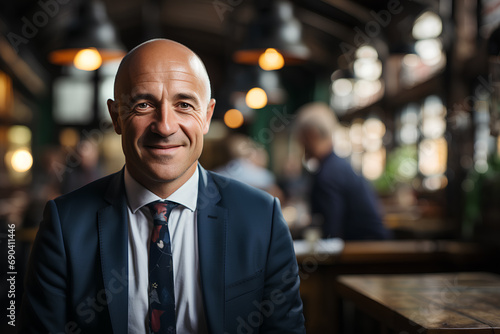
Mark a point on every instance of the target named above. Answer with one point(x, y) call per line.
point(21, 160)
point(88, 60)
point(256, 98)
point(427, 25)
point(19, 135)
point(69, 137)
point(342, 87)
point(271, 60)
point(233, 118)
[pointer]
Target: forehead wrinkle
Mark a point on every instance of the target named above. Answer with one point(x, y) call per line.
point(139, 85)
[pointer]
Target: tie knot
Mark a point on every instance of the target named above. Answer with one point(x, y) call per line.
point(161, 211)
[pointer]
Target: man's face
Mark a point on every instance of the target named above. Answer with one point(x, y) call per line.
point(309, 139)
point(162, 113)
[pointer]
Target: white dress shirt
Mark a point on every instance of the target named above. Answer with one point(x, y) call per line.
point(182, 225)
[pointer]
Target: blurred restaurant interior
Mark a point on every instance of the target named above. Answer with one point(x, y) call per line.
point(415, 85)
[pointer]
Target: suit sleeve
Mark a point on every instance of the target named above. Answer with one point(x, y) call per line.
point(281, 305)
point(43, 308)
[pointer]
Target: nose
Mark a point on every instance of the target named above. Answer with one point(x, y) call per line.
point(165, 122)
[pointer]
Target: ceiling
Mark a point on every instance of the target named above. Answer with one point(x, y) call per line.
point(214, 28)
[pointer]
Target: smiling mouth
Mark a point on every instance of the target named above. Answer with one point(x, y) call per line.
point(162, 149)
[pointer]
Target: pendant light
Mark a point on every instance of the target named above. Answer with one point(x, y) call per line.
point(274, 37)
point(90, 41)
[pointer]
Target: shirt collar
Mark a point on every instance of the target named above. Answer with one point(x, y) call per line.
point(138, 195)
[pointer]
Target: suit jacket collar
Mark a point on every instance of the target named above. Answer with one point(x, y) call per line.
point(113, 235)
point(211, 248)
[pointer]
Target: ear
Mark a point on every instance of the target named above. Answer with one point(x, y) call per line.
point(115, 117)
point(210, 112)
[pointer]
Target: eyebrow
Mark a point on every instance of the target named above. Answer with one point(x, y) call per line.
point(142, 96)
point(187, 96)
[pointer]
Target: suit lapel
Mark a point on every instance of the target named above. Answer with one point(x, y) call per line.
point(113, 234)
point(211, 248)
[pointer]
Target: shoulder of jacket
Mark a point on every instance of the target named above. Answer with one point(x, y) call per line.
point(236, 190)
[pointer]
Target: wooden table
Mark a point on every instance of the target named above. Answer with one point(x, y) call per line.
point(319, 272)
point(464, 303)
point(398, 256)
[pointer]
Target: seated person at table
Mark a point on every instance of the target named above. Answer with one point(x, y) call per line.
point(342, 202)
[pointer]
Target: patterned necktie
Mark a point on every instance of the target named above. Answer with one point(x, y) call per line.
point(161, 274)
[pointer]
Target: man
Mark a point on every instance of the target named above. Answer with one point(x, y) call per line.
point(342, 202)
point(234, 269)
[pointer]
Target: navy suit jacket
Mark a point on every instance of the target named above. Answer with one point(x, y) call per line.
point(344, 203)
point(77, 279)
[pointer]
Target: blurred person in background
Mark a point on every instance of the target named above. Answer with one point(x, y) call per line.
point(342, 202)
point(247, 164)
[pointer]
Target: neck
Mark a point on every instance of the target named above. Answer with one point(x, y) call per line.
point(165, 188)
point(325, 150)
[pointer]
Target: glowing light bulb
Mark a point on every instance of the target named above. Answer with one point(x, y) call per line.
point(233, 118)
point(271, 60)
point(21, 160)
point(88, 60)
point(256, 98)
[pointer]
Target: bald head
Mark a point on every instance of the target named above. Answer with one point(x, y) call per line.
point(161, 55)
point(162, 110)
point(318, 116)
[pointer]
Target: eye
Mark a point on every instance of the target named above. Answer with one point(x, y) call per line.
point(184, 105)
point(142, 106)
